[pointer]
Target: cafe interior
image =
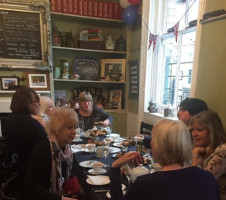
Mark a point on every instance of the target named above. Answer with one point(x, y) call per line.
point(139, 60)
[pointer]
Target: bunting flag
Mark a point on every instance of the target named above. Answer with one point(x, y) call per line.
point(152, 39)
point(176, 28)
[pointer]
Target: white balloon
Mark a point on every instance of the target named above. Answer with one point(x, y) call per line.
point(124, 3)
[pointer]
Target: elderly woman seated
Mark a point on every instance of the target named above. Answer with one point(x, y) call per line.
point(171, 147)
point(51, 161)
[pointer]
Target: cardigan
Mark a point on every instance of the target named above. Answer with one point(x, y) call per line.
point(187, 183)
point(98, 114)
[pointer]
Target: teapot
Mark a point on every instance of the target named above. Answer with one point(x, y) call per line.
point(138, 171)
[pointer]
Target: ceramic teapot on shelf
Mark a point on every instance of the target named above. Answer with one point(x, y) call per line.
point(138, 171)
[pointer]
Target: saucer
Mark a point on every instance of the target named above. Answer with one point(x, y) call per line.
point(91, 171)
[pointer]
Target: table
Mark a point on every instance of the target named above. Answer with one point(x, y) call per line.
point(82, 172)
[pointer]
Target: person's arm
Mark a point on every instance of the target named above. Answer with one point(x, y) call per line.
point(216, 163)
point(115, 174)
point(197, 153)
point(105, 117)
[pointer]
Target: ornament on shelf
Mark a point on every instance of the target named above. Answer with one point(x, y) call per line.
point(152, 107)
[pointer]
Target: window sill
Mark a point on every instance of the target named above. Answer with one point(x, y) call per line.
point(152, 118)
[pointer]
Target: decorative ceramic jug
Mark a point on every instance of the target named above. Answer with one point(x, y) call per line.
point(138, 171)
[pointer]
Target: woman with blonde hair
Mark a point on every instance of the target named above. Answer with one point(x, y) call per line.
point(46, 106)
point(209, 139)
point(88, 114)
point(171, 147)
point(52, 157)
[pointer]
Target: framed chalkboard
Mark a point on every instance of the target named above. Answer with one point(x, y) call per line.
point(24, 35)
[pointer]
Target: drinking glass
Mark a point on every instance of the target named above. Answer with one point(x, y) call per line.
point(150, 161)
point(124, 149)
point(106, 153)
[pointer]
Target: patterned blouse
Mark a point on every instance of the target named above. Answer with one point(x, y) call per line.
point(216, 164)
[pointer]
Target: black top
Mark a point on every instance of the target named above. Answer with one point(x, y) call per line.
point(190, 183)
point(97, 115)
point(37, 180)
point(22, 133)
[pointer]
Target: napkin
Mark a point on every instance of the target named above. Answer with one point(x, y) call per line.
point(99, 180)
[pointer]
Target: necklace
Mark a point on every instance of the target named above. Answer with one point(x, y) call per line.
point(84, 126)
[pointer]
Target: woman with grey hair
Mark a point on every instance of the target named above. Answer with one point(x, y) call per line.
point(209, 139)
point(52, 157)
point(88, 114)
point(171, 147)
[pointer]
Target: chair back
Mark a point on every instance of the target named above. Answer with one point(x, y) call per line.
point(145, 128)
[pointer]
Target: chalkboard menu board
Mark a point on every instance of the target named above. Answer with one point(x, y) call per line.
point(20, 35)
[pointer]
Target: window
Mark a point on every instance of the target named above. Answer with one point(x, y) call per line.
point(169, 67)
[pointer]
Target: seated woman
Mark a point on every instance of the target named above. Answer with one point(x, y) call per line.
point(171, 148)
point(46, 106)
point(209, 151)
point(52, 157)
point(22, 132)
point(88, 114)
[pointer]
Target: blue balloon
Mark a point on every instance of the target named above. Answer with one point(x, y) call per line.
point(129, 15)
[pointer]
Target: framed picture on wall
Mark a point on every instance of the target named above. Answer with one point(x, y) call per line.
point(38, 80)
point(134, 79)
point(115, 98)
point(9, 83)
point(113, 70)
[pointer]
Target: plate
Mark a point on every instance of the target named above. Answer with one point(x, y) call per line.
point(109, 196)
point(91, 171)
point(98, 180)
point(88, 163)
point(117, 144)
point(114, 150)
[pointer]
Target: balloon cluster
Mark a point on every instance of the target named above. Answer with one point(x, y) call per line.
point(130, 12)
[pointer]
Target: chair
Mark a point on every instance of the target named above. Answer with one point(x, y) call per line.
point(145, 128)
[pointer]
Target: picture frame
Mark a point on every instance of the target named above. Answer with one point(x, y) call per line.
point(9, 82)
point(38, 81)
point(134, 79)
point(115, 98)
point(113, 70)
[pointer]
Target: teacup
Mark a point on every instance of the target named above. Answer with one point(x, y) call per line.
point(115, 137)
point(97, 167)
point(156, 167)
point(91, 147)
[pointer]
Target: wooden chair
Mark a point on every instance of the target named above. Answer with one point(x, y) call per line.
point(145, 128)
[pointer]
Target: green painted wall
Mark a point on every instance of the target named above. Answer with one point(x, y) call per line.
point(134, 46)
point(211, 77)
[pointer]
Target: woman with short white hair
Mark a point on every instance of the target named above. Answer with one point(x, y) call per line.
point(46, 106)
point(171, 146)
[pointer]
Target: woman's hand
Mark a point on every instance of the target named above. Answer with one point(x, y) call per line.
point(198, 151)
point(132, 157)
point(106, 122)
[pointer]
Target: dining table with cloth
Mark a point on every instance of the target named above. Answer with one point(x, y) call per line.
point(82, 172)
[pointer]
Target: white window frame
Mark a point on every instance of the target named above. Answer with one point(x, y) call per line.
point(145, 72)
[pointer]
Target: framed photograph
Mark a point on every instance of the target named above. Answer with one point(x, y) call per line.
point(9, 83)
point(38, 80)
point(115, 98)
point(113, 70)
point(134, 79)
